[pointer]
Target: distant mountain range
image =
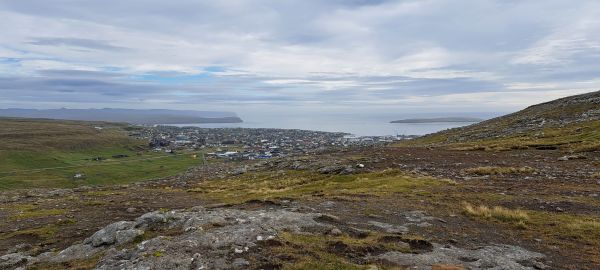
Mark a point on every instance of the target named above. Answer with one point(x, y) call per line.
point(439, 120)
point(133, 116)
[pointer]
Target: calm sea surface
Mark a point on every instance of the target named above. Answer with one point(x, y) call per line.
point(358, 127)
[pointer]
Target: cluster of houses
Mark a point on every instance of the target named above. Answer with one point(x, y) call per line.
point(247, 143)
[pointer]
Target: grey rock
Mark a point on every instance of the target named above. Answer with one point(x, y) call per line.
point(328, 218)
point(331, 169)
point(389, 228)
point(108, 235)
point(239, 171)
point(417, 217)
point(337, 169)
point(489, 257)
point(75, 252)
point(327, 204)
point(571, 157)
point(297, 165)
point(60, 192)
point(14, 260)
point(335, 232)
point(348, 170)
point(126, 236)
point(240, 263)
point(150, 220)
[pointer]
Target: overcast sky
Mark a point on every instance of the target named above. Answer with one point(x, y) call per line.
point(274, 56)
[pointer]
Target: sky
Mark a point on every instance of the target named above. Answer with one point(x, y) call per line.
point(274, 57)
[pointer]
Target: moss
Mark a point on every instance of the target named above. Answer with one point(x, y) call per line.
point(102, 193)
point(68, 221)
point(332, 252)
point(322, 264)
point(94, 203)
point(41, 232)
point(157, 254)
point(18, 207)
point(38, 213)
point(297, 184)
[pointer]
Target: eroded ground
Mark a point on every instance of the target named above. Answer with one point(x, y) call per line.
point(404, 200)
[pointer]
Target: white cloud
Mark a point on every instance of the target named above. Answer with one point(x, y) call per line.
point(579, 36)
point(433, 53)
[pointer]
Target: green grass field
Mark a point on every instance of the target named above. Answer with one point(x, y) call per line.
point(44, 153)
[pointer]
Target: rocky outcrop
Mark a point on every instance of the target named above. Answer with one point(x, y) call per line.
point(203, 239)
point(223, 238)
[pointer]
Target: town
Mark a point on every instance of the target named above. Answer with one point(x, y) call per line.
point(252, 143)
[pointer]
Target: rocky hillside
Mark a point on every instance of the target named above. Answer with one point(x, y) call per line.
point(572, 121)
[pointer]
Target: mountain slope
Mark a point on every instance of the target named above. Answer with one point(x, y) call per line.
point(571, 123)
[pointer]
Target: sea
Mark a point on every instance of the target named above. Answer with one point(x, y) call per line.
point(352, 125)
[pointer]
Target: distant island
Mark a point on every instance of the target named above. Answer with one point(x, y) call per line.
point(132, 116)
point(439, 120)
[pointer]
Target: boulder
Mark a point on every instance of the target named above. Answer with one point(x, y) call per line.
point(118, 232)
point(150, 220)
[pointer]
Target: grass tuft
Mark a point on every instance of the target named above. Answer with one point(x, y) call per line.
point(498, 213)
point(494, 170)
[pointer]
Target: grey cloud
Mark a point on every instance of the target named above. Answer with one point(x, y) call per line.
point(78, 73)
point(76, 42)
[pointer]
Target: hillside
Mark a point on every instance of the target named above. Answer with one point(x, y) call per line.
point(38, 153)
point(44, 135)
point(571, 123)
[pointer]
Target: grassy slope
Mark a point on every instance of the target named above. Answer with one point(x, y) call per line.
point(30, 144)
point(523, 129)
